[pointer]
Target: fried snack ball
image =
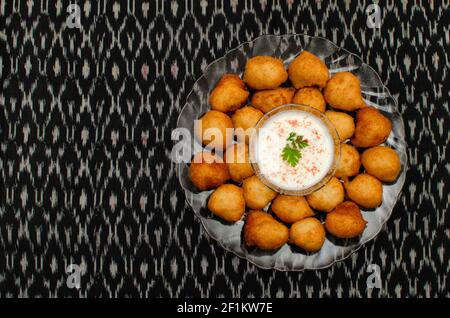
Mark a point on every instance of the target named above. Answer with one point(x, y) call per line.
point(343, 91)
point(227, 202)
point(345, 221)
point(310, 96)
point(216, 137)
point(237, 160)
point(264, 72)
point(365, 190)
point(263, 231)
point(349, 163)
point(269, 99)
point(372, 128)
point(381, 162)
point(229, 94)
point(328, 197)
point(308, 234)
point(208, 171)
point(246, 118)
point(291, 209)
point(308, 70)
point(344, 124)
point(257, 195)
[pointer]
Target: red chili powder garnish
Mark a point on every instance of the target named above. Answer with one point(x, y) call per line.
point(293, 122)
point(316, 134)
point(314, 170)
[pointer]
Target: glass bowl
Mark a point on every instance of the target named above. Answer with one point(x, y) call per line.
point(287, 47)
point(333, 133)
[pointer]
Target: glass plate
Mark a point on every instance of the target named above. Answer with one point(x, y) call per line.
point(287, 47)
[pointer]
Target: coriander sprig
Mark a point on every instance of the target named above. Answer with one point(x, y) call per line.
point(292, 151)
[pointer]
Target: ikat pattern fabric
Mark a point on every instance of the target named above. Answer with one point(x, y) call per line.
point(86, 116)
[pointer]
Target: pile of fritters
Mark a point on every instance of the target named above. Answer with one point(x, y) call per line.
point(272, 219)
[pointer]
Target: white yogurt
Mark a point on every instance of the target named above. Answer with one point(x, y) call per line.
point(317, 157)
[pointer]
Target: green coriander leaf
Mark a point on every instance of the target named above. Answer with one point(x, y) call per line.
point(291, 155)
point(291, 152)
point(292, 136)
point(300, 142)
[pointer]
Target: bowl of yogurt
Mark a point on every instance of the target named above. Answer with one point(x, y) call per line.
point(294, 149)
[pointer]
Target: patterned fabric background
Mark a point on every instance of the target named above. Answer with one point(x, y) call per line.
point(86, 118)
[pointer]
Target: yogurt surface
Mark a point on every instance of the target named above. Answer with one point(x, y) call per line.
point(316, 158)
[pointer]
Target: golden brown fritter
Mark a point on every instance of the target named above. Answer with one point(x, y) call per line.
point(291, 209)
point(208, 171)
point(214, 126)
point(344, 124)
point(229, 94)
point(237, 160)
point(328, 197)
point(246, 119)
point(269, 99)
point(308, 234)
point(349, 162)
point(365, 190)
point(381, 162)
point(311, 97)
point(343, 91)
point(227, 202)
point(308, 70)
point(264, 72)
point(345, 221)
point(372, 128)
point(257, 195)
point(263, 231)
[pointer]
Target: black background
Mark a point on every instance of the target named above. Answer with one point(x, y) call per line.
point(86, 117)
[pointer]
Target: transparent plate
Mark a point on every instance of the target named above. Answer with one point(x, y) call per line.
point(287, 47)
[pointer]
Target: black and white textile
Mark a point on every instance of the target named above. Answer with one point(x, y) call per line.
point(86, 116)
